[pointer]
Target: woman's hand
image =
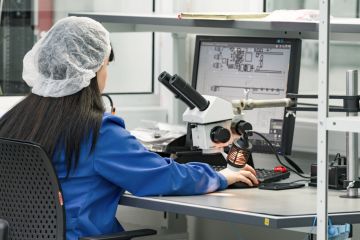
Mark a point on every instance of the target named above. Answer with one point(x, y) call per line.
point(247, 175)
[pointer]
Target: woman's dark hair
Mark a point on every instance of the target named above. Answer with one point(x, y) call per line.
point(57, 124)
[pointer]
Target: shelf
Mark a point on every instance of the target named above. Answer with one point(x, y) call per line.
point(344, 29)
point(343, 124)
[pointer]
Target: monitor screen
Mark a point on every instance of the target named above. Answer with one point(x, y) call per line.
point(251, 68)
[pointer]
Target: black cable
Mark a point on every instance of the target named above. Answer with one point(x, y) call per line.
point(110, 101)
point(293, 164)
point(337, 156)
point(341, 160)
point(264, 5)
point(277, 155)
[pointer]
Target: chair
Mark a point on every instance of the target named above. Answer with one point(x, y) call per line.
point(31, 203)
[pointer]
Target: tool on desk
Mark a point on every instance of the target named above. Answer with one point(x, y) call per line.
point(337, 173)
point(240, 150)
point(157, 136)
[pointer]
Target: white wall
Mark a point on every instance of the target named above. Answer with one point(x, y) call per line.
point(63, 7)
point(131, 72)
point(132, 69)
point(6, 103)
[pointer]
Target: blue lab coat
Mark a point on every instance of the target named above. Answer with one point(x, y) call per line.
point(118, 163)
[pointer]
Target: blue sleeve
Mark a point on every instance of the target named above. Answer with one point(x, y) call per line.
point(122, 160)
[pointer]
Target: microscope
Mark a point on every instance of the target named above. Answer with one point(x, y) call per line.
point(212, 124)
point(208, 117)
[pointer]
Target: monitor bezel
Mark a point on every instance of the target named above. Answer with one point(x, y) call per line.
point(293, 76)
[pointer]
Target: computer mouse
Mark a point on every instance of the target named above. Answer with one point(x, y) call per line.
point(240, 185)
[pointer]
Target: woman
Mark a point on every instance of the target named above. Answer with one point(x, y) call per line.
point(95, 158)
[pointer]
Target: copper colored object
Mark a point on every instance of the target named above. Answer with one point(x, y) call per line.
point(237, 156)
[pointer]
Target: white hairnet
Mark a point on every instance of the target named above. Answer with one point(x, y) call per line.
point(65, 60)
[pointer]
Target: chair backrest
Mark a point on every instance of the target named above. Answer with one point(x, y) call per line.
point(30, 195)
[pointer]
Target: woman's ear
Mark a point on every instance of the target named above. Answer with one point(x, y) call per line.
point(102, 75)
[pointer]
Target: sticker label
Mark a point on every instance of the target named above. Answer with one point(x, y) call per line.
point(266, 221)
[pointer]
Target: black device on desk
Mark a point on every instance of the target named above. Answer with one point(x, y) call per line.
point(337, 176)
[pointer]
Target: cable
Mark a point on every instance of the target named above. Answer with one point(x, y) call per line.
point(111, 102)
point(293, 164)
point(339, 159)
point(277, 156)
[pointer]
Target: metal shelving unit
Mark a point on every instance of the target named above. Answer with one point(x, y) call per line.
point(340, 29)
point(343, 124)
point(323, 113)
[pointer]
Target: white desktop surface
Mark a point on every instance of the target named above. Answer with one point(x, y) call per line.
point(275, 209)
point(278, 203)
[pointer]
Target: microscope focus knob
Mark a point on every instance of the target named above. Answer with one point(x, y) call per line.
point(220, 135)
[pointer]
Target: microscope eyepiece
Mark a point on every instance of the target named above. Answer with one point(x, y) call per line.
point(164, 78)
point(189, 93)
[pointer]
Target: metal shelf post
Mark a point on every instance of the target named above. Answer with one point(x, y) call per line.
point(322, 141)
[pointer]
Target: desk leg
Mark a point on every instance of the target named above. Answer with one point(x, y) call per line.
point(175, 225)
point(174, 222)
point(170, 226)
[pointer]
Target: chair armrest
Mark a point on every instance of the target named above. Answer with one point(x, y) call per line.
point(123, 235)
point(4, 229)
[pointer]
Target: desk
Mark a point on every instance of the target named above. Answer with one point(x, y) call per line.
point(252, 206)
point(273, 209)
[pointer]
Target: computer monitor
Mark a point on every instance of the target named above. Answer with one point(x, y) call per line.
point(254, 68)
